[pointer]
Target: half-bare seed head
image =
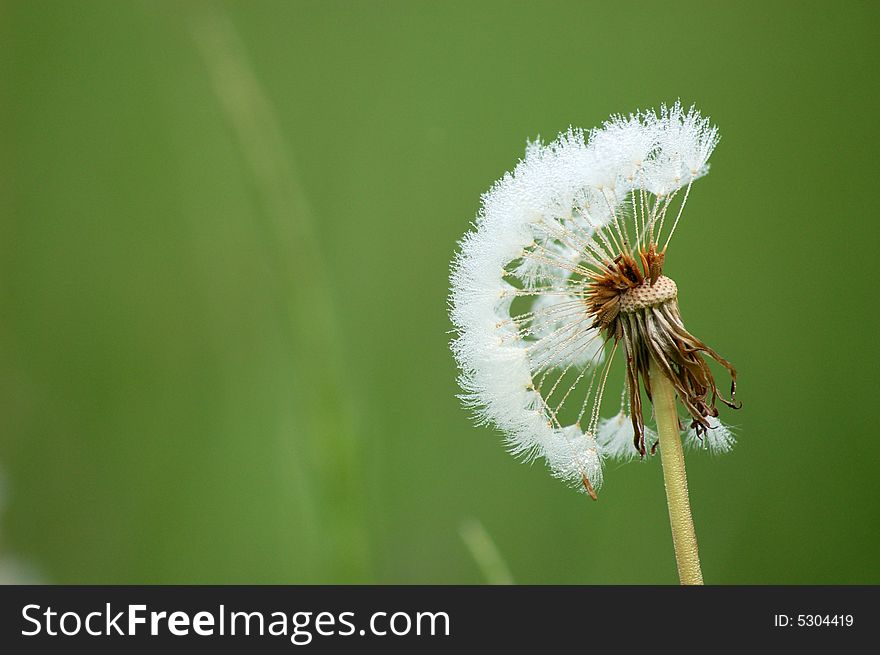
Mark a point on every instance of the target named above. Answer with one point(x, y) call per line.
point(638, 306)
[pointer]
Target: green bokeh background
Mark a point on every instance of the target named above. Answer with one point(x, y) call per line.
point(226, 231)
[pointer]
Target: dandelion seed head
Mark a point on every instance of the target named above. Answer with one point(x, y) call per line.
point(564, 268)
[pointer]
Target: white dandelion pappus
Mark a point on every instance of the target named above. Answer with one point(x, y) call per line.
point(562, 270)
point(718, 439)
point(615, 437)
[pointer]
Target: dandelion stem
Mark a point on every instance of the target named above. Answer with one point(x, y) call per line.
point(684, 538)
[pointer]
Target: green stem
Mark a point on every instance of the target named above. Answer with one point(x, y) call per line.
point(684, 538)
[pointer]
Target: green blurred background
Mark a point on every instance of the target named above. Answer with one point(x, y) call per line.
point(226, 231)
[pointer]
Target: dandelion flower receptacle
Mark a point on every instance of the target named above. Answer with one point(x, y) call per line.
point(563, 273)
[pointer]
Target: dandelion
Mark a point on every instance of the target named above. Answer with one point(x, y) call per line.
point(563, 273)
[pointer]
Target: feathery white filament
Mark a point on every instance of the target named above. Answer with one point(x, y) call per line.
point(615, 437)
point(524, 341)
point(718, 439)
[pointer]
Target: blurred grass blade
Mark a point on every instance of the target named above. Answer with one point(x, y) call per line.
point(485, 553)
point(305, 308)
